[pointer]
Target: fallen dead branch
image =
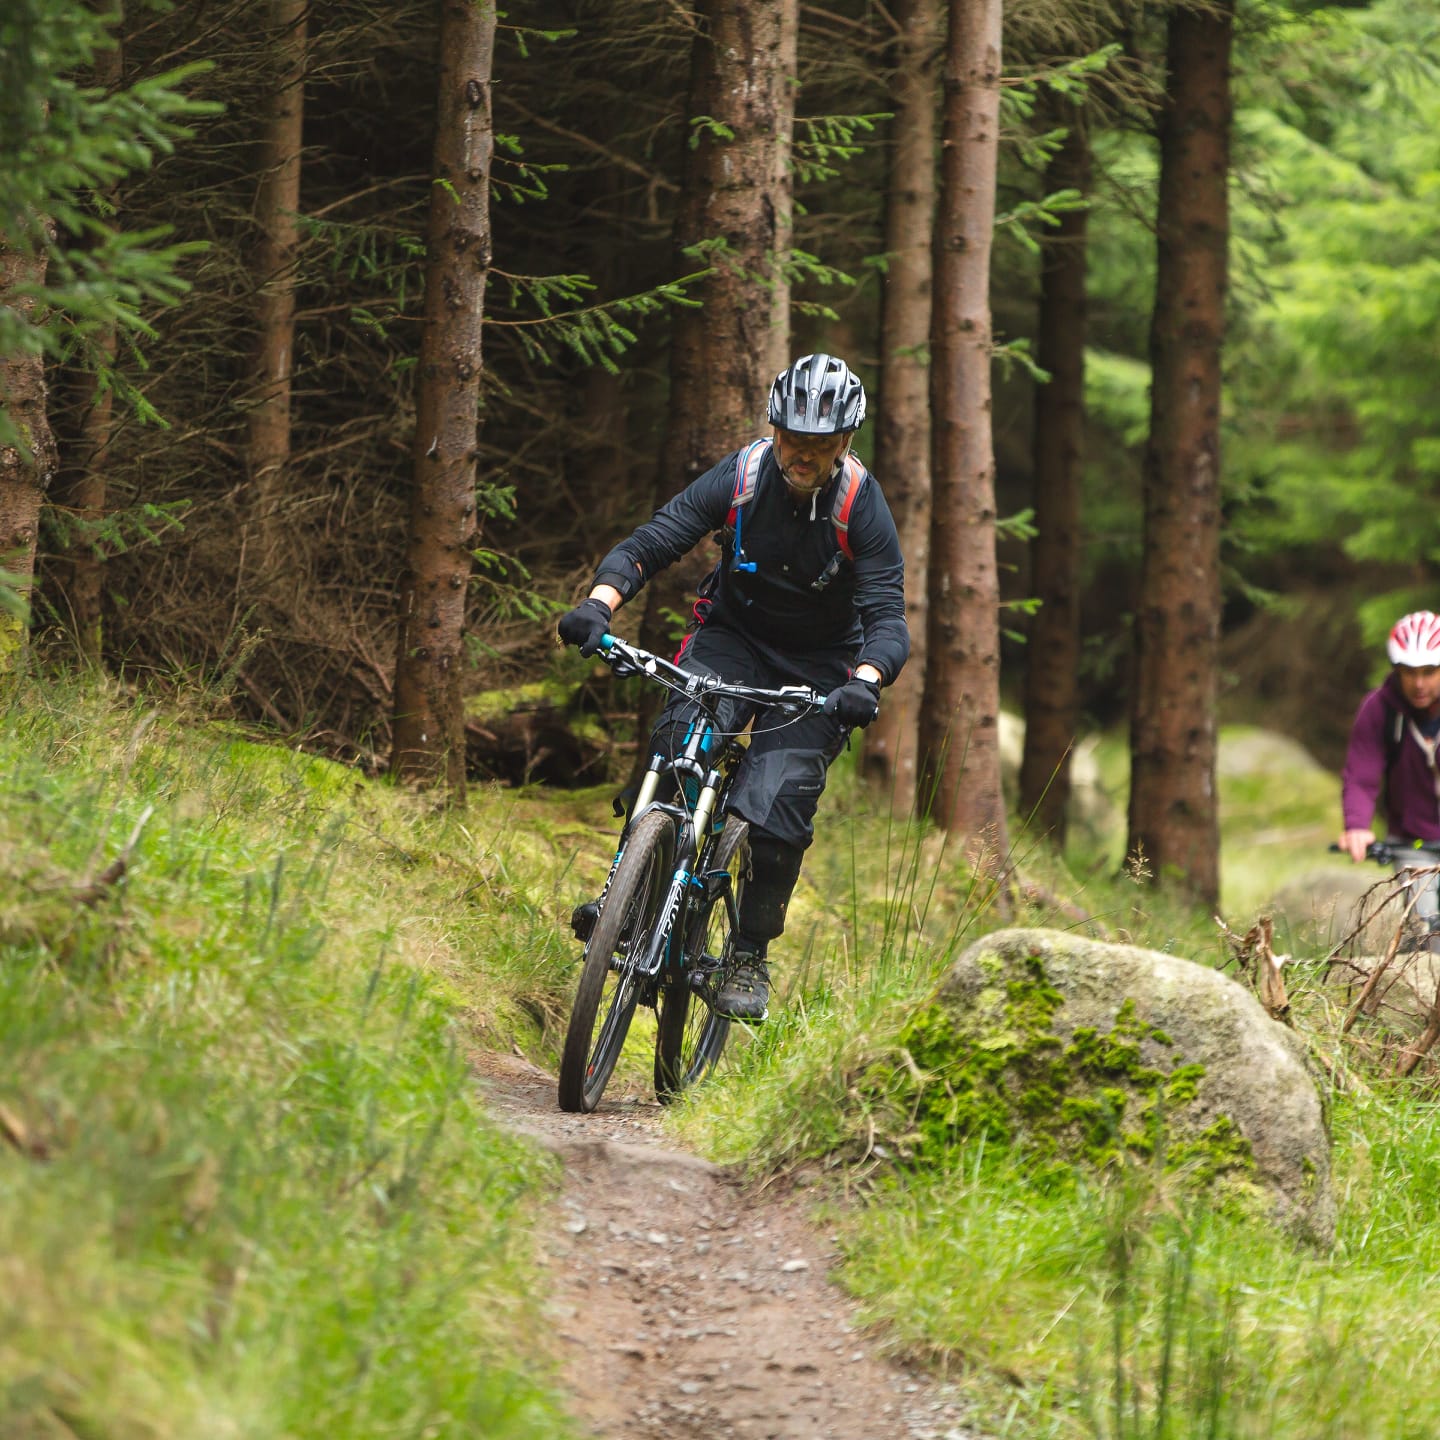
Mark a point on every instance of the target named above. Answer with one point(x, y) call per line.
point(1377, 974)
point(1412, 1055)
point(1254, 953)
point(16, 1133)
point(104, 883)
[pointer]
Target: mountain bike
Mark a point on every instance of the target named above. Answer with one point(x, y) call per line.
point(669, 906)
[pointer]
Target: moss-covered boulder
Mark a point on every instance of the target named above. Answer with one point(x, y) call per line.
point(1084, 1053)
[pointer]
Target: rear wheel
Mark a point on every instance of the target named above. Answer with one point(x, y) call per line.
point(690, 1035)
point(609, 982)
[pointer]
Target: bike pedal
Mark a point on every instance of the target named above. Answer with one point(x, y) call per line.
point(703, 976)
point(583, 918)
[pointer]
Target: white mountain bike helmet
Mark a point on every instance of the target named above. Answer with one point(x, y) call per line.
point(817, 395)
point(1415, 640)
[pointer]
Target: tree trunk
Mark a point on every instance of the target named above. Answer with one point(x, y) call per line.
point(1174, 821)
point(902, 442)
point(1052, 674)
point(74, 579)
point(429, 741)
point(27, 457)
point(959, 717)
point(736, 197)
point(736, 201)
point(277, 207)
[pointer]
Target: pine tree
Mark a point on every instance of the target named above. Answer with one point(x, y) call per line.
point(733, 216)
point(429, 741)
point(902, 444)
point(959, 722)
point(277, 221)
point(68, 277)
point(1174, 816)
point(1052, 660)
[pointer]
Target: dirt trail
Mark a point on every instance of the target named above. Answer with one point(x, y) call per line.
point(690, 1307)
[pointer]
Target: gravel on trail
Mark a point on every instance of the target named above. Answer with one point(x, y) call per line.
point(687, 1305)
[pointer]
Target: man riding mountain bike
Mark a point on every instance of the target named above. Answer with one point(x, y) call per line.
point(809, 589)
point(1391, 759)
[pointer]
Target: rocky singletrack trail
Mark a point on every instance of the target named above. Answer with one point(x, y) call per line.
point(689, 1306)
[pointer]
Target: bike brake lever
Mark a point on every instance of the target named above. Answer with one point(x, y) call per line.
point(799, 697)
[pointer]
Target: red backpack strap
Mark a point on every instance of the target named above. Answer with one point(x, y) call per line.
point(747, 475)
point(845, 494)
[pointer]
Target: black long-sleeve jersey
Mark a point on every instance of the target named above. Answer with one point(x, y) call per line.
point(804, 592)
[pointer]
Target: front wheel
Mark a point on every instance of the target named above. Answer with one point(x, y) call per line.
point(600, 1017)
point(690, 1035)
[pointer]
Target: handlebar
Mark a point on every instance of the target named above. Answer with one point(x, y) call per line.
point(627, 659)
point(1384, 852)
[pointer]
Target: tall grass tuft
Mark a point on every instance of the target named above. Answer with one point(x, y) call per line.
point(245, 1188)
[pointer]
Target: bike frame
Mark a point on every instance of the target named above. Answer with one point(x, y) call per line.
point(691, 828)
point(690, 836)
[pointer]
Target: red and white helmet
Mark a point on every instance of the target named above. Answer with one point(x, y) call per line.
point(1415, 640)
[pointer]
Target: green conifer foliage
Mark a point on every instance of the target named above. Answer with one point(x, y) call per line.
point(60, 143)
point(1334, 382)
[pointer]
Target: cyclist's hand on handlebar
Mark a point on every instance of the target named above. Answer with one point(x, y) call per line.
point(856, 702)
point(1355, 842)
point(585, 625)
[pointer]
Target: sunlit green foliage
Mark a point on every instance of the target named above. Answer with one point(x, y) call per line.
point(1334, 370)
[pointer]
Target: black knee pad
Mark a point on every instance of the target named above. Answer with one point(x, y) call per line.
point(770, 876)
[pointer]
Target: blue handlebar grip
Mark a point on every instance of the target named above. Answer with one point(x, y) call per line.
point(607, 642)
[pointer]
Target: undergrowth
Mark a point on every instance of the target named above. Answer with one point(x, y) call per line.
point(1100, 1300)
point(245, 1186)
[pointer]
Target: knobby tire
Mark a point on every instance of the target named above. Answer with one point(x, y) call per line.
point(690, 1035)
point(626, 919)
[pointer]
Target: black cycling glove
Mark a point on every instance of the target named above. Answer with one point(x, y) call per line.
point(586, 624)
point(856, 702)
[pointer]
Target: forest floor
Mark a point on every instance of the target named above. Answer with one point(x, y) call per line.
point(688, 1305)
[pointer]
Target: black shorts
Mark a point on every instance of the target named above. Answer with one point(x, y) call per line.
point(783, 774)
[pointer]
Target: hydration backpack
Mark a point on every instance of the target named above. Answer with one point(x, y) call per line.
point(747, 477)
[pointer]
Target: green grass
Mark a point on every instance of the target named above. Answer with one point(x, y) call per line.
point(253, 1194)
point(1110, 1311)
point(253, 1191)
point(1098, 1306)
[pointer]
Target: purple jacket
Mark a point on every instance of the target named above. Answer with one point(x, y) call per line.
point(1411, 808)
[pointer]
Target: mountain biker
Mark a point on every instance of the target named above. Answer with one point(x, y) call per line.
point(798, 602)
point(1391, 757)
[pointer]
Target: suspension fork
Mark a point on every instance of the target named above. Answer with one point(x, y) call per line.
point(667, 936)
point(648, 786)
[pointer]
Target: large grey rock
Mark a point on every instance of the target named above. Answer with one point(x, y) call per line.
point(1256, 1076)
